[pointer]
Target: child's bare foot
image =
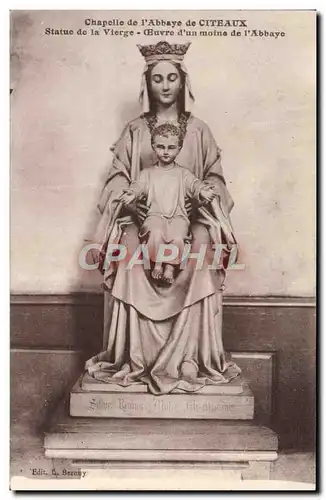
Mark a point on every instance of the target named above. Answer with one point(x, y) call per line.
point(168, 275)
point(157, 272)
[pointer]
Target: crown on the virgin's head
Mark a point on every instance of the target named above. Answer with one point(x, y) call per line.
point(163, 51)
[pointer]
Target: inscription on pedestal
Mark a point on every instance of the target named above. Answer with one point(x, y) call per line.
point(97, 404)
point(202, 406)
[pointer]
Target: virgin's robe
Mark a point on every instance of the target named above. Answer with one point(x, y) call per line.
point(169, 337)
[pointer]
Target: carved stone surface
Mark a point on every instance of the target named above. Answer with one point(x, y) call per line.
point(131, 405)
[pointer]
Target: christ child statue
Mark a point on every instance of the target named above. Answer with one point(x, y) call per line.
point(165, 186)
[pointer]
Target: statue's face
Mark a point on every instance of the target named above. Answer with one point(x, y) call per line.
point(165, 83)
point(166, 148)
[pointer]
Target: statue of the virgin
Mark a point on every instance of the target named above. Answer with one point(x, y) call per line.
point(165, 337)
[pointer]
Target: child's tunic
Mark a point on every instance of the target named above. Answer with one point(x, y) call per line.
point(167, 222)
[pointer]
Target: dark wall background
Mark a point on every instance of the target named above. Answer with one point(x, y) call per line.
point(68, 328)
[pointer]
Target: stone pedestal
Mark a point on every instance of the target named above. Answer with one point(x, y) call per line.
point(234, 402)
point(216, 430)
point(244, 447)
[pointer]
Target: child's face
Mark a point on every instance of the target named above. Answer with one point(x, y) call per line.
point(166, 148)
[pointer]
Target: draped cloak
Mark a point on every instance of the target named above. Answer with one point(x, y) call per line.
point(168, 338)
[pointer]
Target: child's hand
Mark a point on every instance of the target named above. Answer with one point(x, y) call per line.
point(127, 197)
point(208, 193)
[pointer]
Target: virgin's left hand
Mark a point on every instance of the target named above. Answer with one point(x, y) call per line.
point(188, 206)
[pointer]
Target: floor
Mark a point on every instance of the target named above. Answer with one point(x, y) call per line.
point(295, 466)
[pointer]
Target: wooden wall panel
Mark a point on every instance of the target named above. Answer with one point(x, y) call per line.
point(282, 325)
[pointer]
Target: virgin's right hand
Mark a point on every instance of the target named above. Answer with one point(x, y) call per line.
point(127, 197)
point(141, 211)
